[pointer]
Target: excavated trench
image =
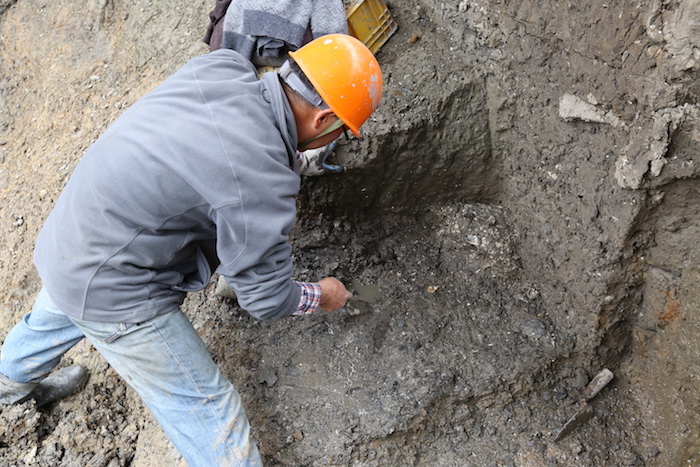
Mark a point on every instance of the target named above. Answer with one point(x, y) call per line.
point(525, 200)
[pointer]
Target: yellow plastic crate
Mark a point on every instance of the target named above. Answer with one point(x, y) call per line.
point(370, 22)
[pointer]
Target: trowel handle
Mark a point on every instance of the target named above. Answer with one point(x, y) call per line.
point(597, 384)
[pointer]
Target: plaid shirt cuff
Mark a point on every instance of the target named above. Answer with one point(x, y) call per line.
point(310, 298)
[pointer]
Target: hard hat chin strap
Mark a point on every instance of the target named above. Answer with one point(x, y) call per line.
point(331, 128)
point(288, 75)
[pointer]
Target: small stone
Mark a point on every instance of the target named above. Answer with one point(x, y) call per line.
point(533, 294)
point(533, 328)
point(224, 289)
point(268, 376)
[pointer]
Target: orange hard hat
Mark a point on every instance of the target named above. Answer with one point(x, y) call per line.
point(345, 74)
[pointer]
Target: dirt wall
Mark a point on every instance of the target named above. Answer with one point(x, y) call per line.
point(525, 199)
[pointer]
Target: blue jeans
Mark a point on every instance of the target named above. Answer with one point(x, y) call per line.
point(163, 359)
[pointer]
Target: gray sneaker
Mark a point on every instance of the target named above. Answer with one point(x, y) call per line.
point(57, 385)
point(12, 392)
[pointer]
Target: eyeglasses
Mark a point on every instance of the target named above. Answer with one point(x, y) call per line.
point(345, 133)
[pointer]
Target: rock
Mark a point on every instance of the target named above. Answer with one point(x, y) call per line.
point(267, 375)
point(571, 108)
point(646, 151)
point(533, 328)
point(223, 289)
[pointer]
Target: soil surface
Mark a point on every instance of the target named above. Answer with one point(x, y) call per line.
point(526, 200)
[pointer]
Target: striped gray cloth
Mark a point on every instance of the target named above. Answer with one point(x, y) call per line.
point(265, 30)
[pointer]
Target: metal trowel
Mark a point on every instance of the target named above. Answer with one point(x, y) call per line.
point(362, 298)
point(585, 411)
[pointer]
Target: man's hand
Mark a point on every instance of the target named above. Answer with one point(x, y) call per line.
point(334, 295)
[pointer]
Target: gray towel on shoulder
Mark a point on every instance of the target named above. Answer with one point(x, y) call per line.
point(265, 30)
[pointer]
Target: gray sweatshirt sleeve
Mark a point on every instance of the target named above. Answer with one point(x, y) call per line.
point(253, 236)
point(258, 210)
point(260, 273)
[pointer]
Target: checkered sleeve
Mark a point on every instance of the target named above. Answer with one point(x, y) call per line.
point(310, 298)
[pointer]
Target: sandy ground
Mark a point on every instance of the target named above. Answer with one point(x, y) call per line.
point(526, 199)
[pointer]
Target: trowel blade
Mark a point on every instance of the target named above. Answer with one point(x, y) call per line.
point(357, 306)
point(363, 296)
point(584, 413)
point(364, 292)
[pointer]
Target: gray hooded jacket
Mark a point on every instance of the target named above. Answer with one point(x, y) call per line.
point(197, 174)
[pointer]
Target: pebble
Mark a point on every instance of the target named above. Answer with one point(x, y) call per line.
point(533, 328)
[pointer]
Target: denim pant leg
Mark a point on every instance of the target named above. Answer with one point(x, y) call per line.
point(168, 365)
point(36, 344)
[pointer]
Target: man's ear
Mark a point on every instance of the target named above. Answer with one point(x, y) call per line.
point(322, 118)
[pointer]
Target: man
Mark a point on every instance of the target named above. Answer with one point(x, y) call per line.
point(200, 173)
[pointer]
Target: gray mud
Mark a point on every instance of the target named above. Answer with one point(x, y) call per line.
point(525, 200)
